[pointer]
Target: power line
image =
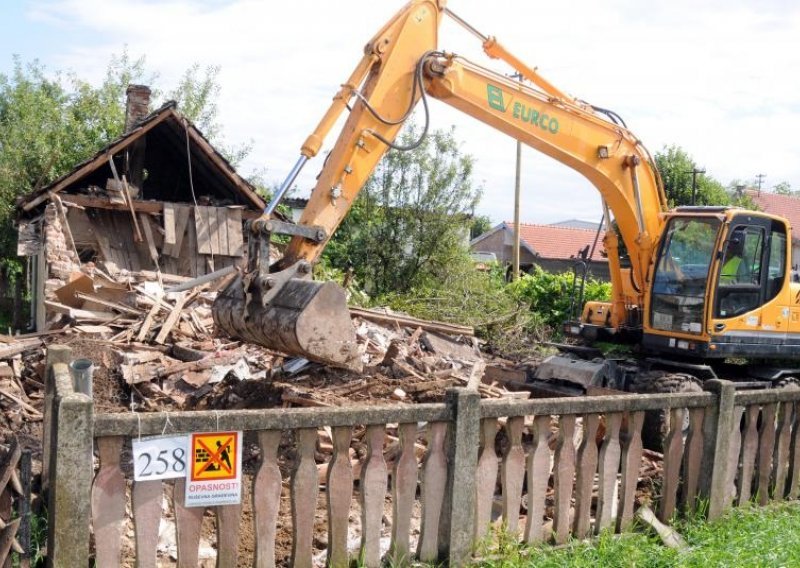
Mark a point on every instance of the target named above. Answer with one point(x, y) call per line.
point(759, 179)
point(694, 171)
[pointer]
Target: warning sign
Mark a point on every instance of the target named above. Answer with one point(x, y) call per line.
point(215, 475)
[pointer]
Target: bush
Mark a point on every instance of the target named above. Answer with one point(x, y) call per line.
point(466, 296)
point(550, 295)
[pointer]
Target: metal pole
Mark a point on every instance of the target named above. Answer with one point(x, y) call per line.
point(286, 185)
point(515, 268)
point(516, 213)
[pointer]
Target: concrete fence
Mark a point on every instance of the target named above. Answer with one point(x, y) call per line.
point(438, 481)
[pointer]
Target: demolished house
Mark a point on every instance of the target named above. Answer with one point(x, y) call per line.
point(158, 199)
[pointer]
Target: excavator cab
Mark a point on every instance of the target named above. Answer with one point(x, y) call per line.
point(721, 286)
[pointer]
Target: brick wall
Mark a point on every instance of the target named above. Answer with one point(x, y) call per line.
point(61, 260)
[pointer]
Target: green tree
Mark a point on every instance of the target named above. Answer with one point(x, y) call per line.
point(675, 166)
point(784, 188)
point(412, 218)
point(480, 224)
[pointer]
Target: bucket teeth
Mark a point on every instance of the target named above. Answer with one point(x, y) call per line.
point(304, 318)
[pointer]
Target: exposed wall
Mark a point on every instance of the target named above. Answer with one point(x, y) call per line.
point(61, 259)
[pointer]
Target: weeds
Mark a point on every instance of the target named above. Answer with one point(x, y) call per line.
point(746, 536)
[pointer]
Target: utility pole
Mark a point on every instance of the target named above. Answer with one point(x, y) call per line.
point(759, 179)
point(694, 171)
point(515, 267)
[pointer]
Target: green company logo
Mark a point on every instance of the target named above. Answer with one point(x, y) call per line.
point(494, 96)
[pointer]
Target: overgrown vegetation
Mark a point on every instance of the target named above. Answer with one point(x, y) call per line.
point(467, 296)
point(551, 295)
point(747, 536)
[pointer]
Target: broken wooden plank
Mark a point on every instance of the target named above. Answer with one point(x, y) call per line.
point(151, 243)
point(21, 402)
point(169, 224)
point(172, 319)
point(20, 347)
point(140, 206)
point(148, 322)
point(182, 213)
point(79, 282)
point(222, 230)
point(202, 230)
point(126, 192)
point(77, 313)
point(408, 321)
point(93, 329)
point(113, 305)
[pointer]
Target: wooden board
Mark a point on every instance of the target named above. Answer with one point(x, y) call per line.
point(108, 502)
point(202, 230)
point(213, 229)
point(169, 223)
point(219, 231)
point(182, 213)
point(29, 238)
point(222, 230)
point(79, 282)
point(234, 230)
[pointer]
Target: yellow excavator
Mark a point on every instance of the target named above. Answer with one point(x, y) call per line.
point(691, 287)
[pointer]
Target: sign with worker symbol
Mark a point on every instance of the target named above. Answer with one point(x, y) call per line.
point(215, 475)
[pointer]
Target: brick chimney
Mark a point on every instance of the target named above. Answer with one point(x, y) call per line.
point(137, 106)
point(136, 109)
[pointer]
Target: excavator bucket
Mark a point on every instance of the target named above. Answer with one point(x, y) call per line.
point(294, 315)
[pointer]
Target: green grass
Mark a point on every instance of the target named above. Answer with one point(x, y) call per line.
point(748, 536)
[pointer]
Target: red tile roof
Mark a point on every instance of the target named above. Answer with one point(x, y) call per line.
point(552, 242)
point(777, 204)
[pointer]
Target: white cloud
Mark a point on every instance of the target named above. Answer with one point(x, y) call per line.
point(718, 78)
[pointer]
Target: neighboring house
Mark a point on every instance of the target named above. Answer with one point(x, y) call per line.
point(552, 247)
point(158, 198)
point(786, 206)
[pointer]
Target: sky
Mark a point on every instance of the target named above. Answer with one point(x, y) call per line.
point(720, 78)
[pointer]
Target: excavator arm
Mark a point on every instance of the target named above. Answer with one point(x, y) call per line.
point(278, 306)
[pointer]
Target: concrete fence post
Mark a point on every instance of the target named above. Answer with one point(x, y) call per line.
point(55, 354)
point(718, 434)
point(457, 525)
point(69, 498)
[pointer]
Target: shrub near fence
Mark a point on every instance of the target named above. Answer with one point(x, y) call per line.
point(457, 476)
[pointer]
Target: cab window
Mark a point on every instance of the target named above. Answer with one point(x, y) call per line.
point(776, 273)
point(752, 269)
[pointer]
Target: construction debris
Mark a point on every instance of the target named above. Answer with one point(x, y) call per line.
point(151, 337)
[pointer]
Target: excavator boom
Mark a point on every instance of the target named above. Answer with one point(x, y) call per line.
point(278, 305)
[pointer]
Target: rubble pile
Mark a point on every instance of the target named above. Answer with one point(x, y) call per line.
point(151, 338)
